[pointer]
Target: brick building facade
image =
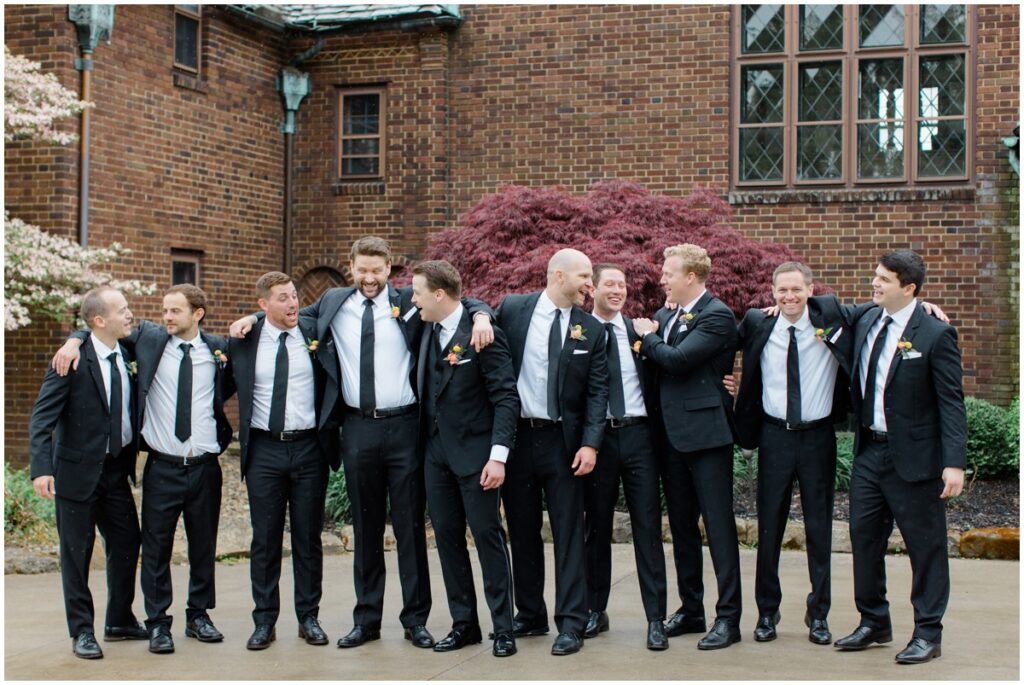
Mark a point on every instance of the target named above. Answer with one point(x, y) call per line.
point(194, 164)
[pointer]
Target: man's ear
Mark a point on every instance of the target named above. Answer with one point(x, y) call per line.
point(810, 289)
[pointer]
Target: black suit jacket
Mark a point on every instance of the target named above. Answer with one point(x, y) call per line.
point(148, 342)
point(70, 426)
point(695, 409)
point(582, 378)
point(835, 319)
point(644, 370)
point(477, 404)
point(924, 398)
point(241, 377)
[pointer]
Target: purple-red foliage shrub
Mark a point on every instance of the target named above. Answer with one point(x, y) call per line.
point(505, 241)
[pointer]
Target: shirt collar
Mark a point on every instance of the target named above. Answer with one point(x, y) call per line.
point(693, 303)
point(451, 322)
point(901, 317)
point(550, 306)
point(102, 351)
point(276, 332)
point(382, 299)
point(802, 324)
point(194, 342)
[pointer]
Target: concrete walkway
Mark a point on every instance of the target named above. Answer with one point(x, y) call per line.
point(982, 638)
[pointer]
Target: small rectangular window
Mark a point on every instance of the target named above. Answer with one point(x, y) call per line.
point(184, 267)
point(361, 138)
point(187, 23)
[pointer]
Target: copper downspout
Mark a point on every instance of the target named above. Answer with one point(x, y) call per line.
point(288, 202)
point(83, 157)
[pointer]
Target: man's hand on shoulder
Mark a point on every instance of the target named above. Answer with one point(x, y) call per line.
point(483, 332)
point(240, 328)
point(67, 357)
point(934, 310)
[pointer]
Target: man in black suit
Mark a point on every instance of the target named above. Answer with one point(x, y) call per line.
point(286, 448)
point(696, 422)
point(184, 431)
point(469, 410)
point(558, 355)
point(794, 388)
point(83, 442)
point(910, 452)
point(627, 455)
point(369, 337)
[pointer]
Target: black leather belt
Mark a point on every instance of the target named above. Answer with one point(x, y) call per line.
point(183, 461)
point(286, 436)
point(804, 426)
point(539, 423)
point(626, 421)
point(384, 413)
point(875, 436)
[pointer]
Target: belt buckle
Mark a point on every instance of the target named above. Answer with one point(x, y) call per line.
point(185, 460)
point(378, 415)
point(285, 436)
point(616, 423)
point(790, 427)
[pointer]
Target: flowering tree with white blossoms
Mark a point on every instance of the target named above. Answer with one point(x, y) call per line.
point(44, 274)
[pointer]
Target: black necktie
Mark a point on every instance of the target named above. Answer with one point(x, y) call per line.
point(279, 397)
point(675, 328)
point(438, 347)
point(115, 405)
point(616, 396)
point(367, 397)
point(554, 352)
point(183, 412)
point(793, 380)
point(867, 416)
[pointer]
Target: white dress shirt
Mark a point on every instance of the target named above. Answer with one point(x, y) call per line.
point(900, 319)
point(533, 374)
point(162, 402)
point(102, 352)
point(818, 367)
point(630, 379)
point(679, 312)
point(299, 408)
point(392, 362)
point(449, 325)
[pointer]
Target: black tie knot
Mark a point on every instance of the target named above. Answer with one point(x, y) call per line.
point(186, 348)
point(367, 302)
point(112, 358)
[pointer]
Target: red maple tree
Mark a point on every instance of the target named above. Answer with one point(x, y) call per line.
point(505, 241)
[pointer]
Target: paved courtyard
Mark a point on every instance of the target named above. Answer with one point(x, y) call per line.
point(981, 641)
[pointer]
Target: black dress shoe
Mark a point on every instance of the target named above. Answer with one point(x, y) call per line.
point(722, 634)
point(85, 646)
point(160, 640)
point(919, 651)
point(657, 640)
point(597, 622)
point(202, 629)
point(864, 637)
point(567, 643)
point(118, 633)
point(459, 638)
point(261, 637)
point(359, 635)
point(504, 645)
point(311, 631)
point(819, 634)
point(522, 628)
point(681, 624)
point(420, 637)
point(765, 630)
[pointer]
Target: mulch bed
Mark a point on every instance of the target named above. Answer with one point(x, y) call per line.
point(984, 504)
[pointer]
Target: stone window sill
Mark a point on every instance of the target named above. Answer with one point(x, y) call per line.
point(190, 82)
point(358, 188)
point(771, 196)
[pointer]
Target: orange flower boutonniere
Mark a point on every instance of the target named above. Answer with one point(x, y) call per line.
point(906, 349)
point(312, 346)
point(220, 357)
point(822, 333)
point(455, 354)
point(636, 346)
point(578, 333)
point(396, 311)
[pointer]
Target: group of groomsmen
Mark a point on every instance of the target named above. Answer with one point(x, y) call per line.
point(431, 399)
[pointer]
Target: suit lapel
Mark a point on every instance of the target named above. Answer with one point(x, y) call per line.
point(93, 363)
point(250, 363)
point(461, 338)
point(908, 334)
point(333, 299)
point(867, 322)
point(632, 338)
point(569, 345)
point(421, 367)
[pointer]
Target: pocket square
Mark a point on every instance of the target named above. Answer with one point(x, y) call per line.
point(581, 351)
point(463, 361)
point(409, 314)
point(912, 354)
point(835, 335)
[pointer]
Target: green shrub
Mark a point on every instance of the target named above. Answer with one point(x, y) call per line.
point(27, 516)
point(338, 508)
point(1013, 428)
point(844, 461)
point(989, 453)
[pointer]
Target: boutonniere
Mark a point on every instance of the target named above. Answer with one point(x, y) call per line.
point(455, 354)
point(687, 316)
point(312, 346)
point(822, 333)
point(395, 311)
point(906, 349)
point(636, 346)
point(578, 333)
point(220, 358)
point(133, 368)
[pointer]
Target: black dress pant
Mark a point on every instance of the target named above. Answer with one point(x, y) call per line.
point(699, 485)
point(878, 496)
point(454, 500)
point(292, 477)
point(168, 492)
point(382, 467)
point(810, 457)
point(540, 466)
point(627, 455)
point(111, 508)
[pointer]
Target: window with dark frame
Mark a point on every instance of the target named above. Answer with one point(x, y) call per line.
point(851, 95)
point(361, 142)
point(187, 34)
point(184, 267)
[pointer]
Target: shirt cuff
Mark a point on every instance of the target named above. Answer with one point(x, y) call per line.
point(499, 453)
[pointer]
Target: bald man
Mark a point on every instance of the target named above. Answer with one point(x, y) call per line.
point(558, 355)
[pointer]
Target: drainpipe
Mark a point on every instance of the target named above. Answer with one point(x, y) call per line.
point(93, 23)
point(293, 86)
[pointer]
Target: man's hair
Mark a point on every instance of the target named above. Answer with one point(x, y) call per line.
point(268, 281)
point(440, 275)
point(601, 268)
point(786, 267)
point(371, 246)
point(93, 304)
point(695, 258)
point(194, 294)
point(908, 266)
